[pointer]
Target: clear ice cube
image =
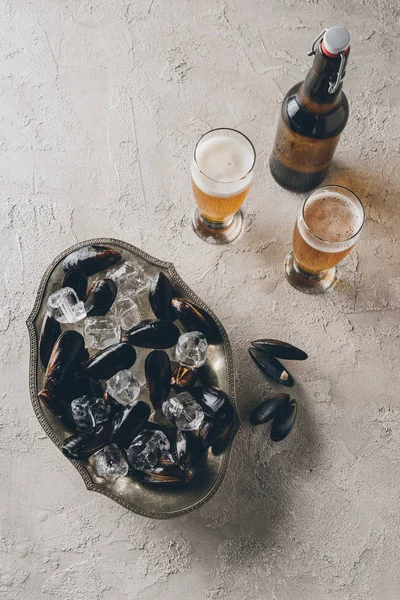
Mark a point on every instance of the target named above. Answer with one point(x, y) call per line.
point(89, 412)
point(127, 312)
point(65, 306)
point(109, 463)
point(123, 387)
point(147, 448)
point(184, 412)
point(129, 278)
point(191, 349)
point(101, 332)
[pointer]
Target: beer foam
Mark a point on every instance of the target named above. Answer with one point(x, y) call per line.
point(332, 217)
point(223, 165)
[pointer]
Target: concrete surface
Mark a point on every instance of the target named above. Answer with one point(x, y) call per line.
point(101, 103)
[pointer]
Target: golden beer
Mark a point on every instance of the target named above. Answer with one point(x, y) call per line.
point(216, 209)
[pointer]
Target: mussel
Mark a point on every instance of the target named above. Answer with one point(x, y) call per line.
point(160, 295)
point(50, 332)
point(100, 298)
point(57, 403)
point(280, 349)
point(82, 445)
point(283, 423)
point(168, 475)
point(77, 280)
point(65, 359)
point(183, 378)
point(269, 409)
point(213, 401)
point(194, 318)
point(271, 367)
point(128, 421)
point(92, 259)
point(85, 386)
point(152, 334)
point(211, 429)
point(158, 377)
point(104, 364)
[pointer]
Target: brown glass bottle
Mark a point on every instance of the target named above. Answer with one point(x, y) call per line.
point(311, 121)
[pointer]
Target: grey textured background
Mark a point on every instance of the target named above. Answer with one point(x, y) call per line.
point(101, 103)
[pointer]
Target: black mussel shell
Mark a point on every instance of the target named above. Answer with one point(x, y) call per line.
point(65, 359)
point(282, 425)
point(168, 475)
point(280, 349)
point(82, 445)
point(183, 378)
point(115, 407)
point(85, 386)
point(269, 409)
point(77, 280)
point(194, 319)
point(129, 421)
point(108, 362)
point(213, 401)
point(152, 334)
point(211, 429)
point(100, 298)
point(158, 377)
point(271, 367)
point(160, 295)
point(55, 401)
point(92, 259)
point(49, 334)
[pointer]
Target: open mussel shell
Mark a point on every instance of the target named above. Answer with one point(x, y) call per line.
point(78, 281)
point(158, 377)
point(183, 378)
point(271, 367)
point(65, 359)
point(81, 445)
point(92, 259)
point(100, 298)
point(269, 409)
point(194, 319)
point(160, 295)
point(108, 362)
point(280, 349)
point(49, 334)
point(85, 386)
point(152, 334)
point(283, 423)
point(129, 421)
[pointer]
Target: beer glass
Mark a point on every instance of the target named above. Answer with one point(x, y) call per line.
point(327, 227)
point(222, 172)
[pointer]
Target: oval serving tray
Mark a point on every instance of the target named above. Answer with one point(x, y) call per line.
point(153, 502)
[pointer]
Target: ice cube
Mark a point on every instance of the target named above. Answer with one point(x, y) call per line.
point(129, 278)
point(184, 412)
point(127, 312)
point(89, 412)
point(191, 349)
point(123, 387)
point(65, 306)
point(147, 448)
point(109, 463)
point(101, 332)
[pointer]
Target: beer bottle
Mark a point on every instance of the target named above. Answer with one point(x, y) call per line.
point(313, 115)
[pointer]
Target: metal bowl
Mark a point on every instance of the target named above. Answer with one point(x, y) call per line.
point(158, 502)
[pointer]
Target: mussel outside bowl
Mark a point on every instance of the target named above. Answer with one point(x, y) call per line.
point(153, 502)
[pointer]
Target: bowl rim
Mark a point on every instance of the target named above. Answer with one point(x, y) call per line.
point(33, 366)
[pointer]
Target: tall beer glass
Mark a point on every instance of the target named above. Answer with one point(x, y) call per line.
point(327, 227)
point(222, 172)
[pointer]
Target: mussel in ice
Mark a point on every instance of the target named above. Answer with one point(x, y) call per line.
point(65, 359)
point(158, 377)
point(160, 295)
point(92, 259)
point(152, 334)
point(213, 401)
point(284, 421)
point(57, 403)
point(211, 429)
point(271, 367)
point(82, 445)
point(85, 386)
point(280, 349)
point(194, 319)
point(50, 332)
point(77, 280)
point(128, 421)
point(106, 363)
point(100, 298)
point(269, 409)
point(183, 378)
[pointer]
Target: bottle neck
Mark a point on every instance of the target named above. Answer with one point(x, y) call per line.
point(314, 91)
